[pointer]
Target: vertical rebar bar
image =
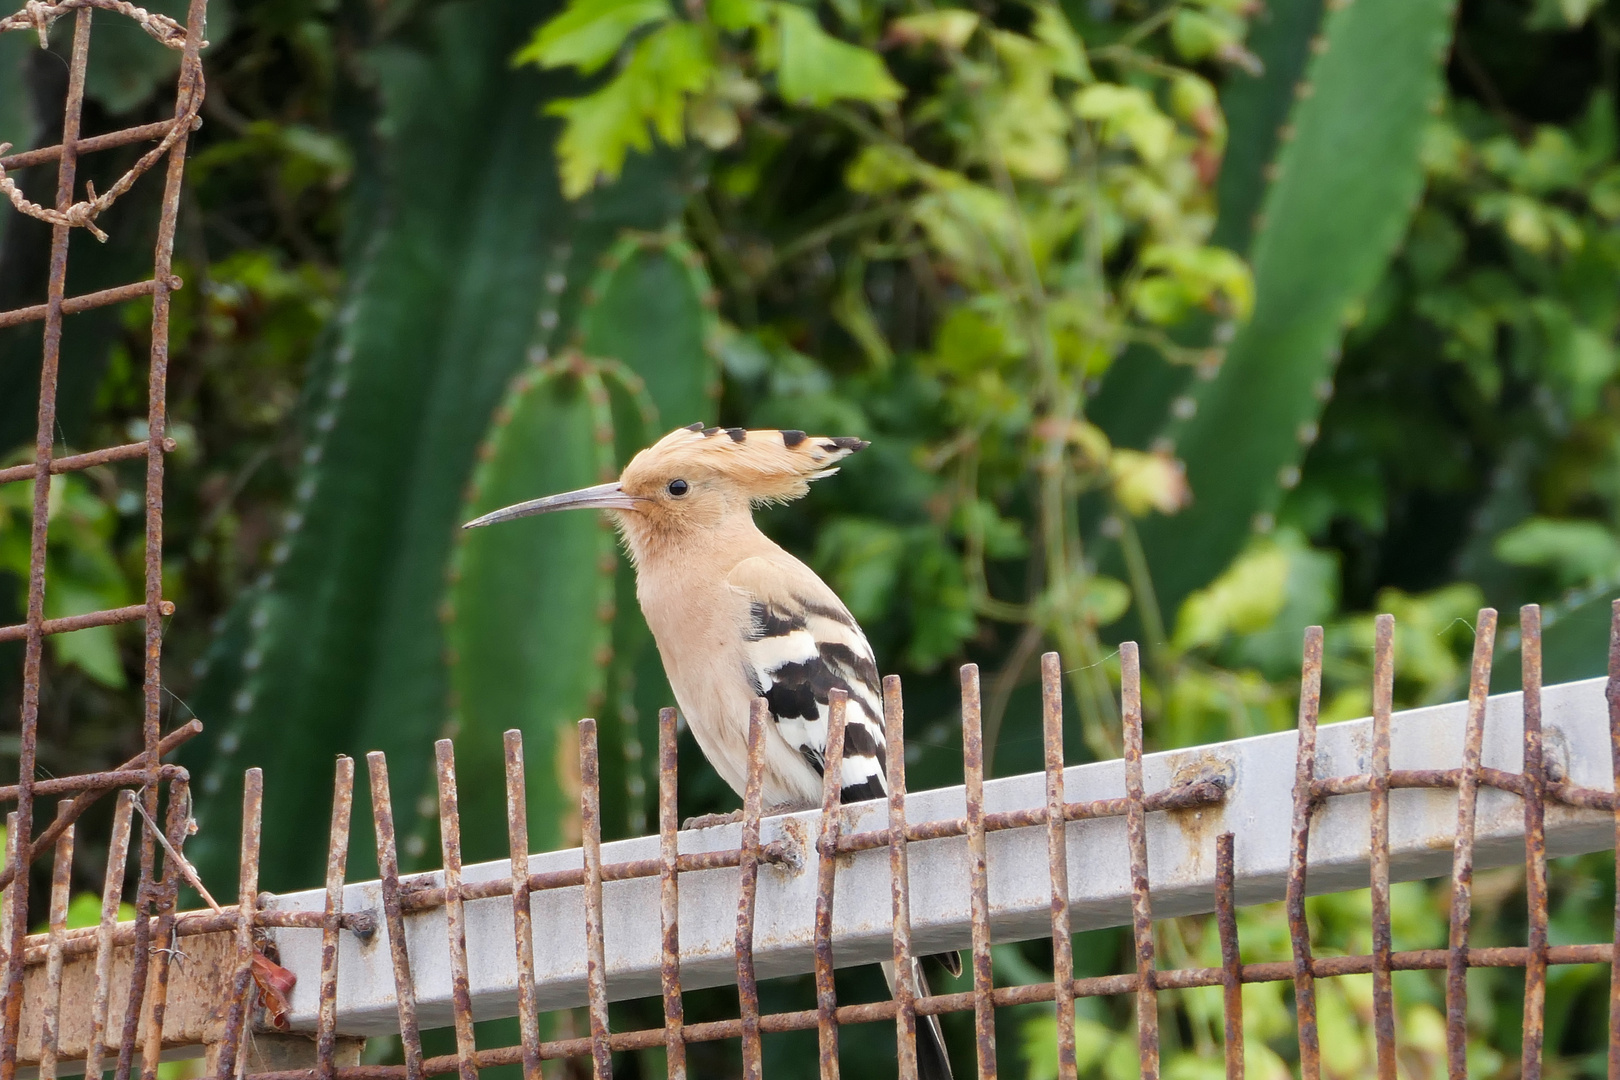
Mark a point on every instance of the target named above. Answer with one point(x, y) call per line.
point(177, 828)
point(337, 861)
point(984, 1011)
point(189, 85)
point(1535, 847)
point(61, 885)
point(1299, 932)
point(238, 1019)
point(1147, 998)
point(1612, 691)
point(590, 820)
point(905, 987)
point(669, 896)
point(112, 893)
point(44, 441)
point(1462, 859)
point(382, 817)
point(1378, 858)
point(747, 891)
point(8, 906)
point(1231, 958)
point(517, 837)
point(832, 813)
point(454, 908)
point(1057, 857)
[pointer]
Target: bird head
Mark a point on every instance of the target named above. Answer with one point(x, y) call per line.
point(695, 477)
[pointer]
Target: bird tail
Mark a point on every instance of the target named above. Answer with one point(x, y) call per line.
point(932, 1061)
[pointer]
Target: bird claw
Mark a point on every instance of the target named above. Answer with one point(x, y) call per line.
point(709, 821)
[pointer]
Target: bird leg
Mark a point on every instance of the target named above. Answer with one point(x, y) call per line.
point(709, 821)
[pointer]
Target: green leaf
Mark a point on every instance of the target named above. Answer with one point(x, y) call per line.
point(816, 69)
point(651, 89)
point(738, 15)
point(948, 27)
point(1246, 598)
point(1065, 51)
point(1198, 35)
point(590, 33)
point(1127, 114)
point(1575, 551)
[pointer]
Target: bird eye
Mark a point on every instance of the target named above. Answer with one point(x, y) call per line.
point(677, 488)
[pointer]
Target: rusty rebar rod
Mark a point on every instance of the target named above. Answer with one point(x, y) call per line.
point(112, 893)
point(1462, 860)
point(1147, 1001)
point(455, 914)
point(382, 818)
point(337, 861)
point(1057, 859)
point(905, 986)
point(1382, 946)
point(984, 1014)
point(237, 1014)
point(1299, 933)
point(590, 820)
point(44, 445)
point(517, 835)
point(748, 890)
point(1535, 847)
point(669, 897)
point(832, 793)
point(1231, 961)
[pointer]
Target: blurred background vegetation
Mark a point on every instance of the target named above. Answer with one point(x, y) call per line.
point(1187, 321)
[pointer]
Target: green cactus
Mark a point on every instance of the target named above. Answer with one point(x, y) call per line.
point(1256, 109)
point(531, 603)
point(473, 247)
point(543, 623)
point(1325, 234)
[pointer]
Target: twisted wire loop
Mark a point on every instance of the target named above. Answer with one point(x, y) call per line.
point(38, 16)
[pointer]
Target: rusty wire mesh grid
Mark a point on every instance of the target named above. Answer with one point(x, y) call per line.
point(144, 776)
point(402, 896)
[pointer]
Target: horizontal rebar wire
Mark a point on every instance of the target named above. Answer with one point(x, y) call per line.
point(75, 462)
point(72, 305)
point(46, 154)
point(1002, 997)
point(69, 623)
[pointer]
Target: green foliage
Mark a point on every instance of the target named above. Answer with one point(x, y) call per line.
point(81, 564)
point(686, 75)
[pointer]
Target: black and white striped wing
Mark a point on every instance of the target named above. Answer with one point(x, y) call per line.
point(797, 650)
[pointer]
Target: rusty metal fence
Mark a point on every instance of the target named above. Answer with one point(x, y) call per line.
point(112, 995)
point(244, 985)
point(146, 774)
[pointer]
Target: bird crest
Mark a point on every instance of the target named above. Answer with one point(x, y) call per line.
point(769, 466)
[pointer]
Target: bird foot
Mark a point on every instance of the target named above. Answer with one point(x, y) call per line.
point(709, 821)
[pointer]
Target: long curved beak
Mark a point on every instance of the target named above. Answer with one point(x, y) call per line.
point(601, 497)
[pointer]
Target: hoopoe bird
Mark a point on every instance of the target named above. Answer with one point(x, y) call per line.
point(737, 618)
